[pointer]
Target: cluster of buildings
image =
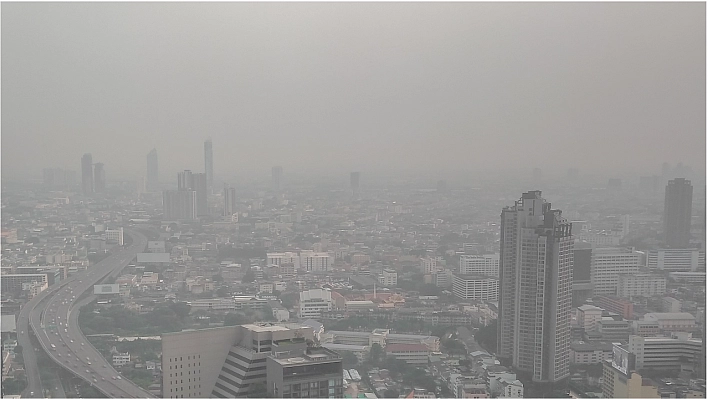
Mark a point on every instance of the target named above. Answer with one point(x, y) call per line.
point(564, 288)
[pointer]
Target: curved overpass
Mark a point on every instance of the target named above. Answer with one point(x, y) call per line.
point(53, 316)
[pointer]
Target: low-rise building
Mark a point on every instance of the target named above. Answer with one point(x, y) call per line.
point(409, 353)
point(590, 352)
point(475, 287)
point(314, 302)
point(663, 353)
point(121, 359)
point(673, 322)
point(642, 284)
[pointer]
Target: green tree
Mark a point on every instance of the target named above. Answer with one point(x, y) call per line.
point(235, 319)
point(181, 309)
point(13, 386)
point(487, 336)
point(249, 277)
point(267, 312)
point(376, 354)
point(349, 359)
point(222, 292)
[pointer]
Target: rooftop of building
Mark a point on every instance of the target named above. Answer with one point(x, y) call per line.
point(311, 355)
point(406, 348)
point(670, 316)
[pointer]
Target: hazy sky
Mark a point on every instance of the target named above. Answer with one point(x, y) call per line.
point(333, 86)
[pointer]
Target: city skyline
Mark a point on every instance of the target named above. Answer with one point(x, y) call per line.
point(637, 89)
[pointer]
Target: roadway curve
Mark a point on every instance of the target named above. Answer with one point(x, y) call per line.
point(53, 317)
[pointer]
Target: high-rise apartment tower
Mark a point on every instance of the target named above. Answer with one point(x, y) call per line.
point(277, 176)
point(535, 275)
point(677, 213)
point(209, 163)
point(354, 182)
point(87, 174)
point(99, 178)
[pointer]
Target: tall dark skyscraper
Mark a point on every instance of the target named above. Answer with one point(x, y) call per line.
point(677, 213)
point(87, 174)
point(99, 178)
point(354, 183)
point(277, 176)
point(229, 200)
point(209, 163)
point(153, 183)
point(535, 290)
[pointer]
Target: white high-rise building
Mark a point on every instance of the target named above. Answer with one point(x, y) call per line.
point(535, 279)
point(115, 235)
point(307, 260)
point(283, 258)
point(389, 278)
point(607, 264)
point(487, 265)
point(476, 287)
point(677, 260)
point(315, 261)
point(642, 284)
point(428, 265)
point(314, 302)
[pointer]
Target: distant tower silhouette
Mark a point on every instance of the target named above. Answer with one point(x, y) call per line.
point(677, 213)
point(277, 176)
point(209, 163)
point(229, 200)
point(99, 178)
point(87, 174)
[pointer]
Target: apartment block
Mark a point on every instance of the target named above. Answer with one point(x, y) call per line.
point(486, 265)
point(223, 362)
point(666, 353)
point(642, 284)
point(476, 287)
point(296, 371)
point(608, 264)
point(620, 306)
point(314, 302)
point(676, 260)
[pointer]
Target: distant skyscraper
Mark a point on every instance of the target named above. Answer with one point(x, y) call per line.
point(87, 174)
point(197, 182)
point(57, 178)
point(677, 213)
point(209, 163)
point(229, 200)
point(153, 183)
point(200, 186)
point(99, 178)
point(185, 181)
point(535, 275)
point(179, 205)
point(614, 184)
point(354, 182)
point(277, 175)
